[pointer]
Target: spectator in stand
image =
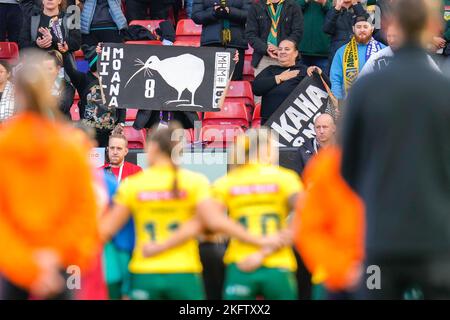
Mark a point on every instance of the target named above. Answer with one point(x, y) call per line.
point(441, 43)
point(6, 92)
point(117, 253)
point(276, 82)
point(137, 9)
point(351, 58)
point(10, 20)
point(269, 23)
point(385, 10)
point(325, 129)
point(315, 45)
point(93, 110)
point(338, 23)
point(223, 24)
point(49, 29)
point(102, 21)
point(62, 89)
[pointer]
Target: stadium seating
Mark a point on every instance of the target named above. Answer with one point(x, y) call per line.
point(220, 128)
point(136, 138)
point(249, 71)
point(241, 91)
point(187, 43)
point(256, 120)
point(151, 25)
point(9, 51)
point(147, 42)
point(187, 30)
point(131, 115)
point(75, 112)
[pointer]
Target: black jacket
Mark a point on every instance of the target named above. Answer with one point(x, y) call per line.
point(339, 25)
point(259, 23)
point(272, 94)
point(149, 118)
point(396, 156)
point(203, 13)
point(305, 152)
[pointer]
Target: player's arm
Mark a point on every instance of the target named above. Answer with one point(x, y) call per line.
point(186, 231)
point(113, 221)
point(212, 214)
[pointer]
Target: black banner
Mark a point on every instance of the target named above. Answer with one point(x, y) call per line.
point(293, 120)
point(165, 77)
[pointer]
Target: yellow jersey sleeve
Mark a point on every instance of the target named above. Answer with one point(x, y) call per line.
point(125, 194)
point(290, 183)
point(202, 189)
point(220, 191)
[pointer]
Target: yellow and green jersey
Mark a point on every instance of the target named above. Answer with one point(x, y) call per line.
point(257, 197)
point(157, 213)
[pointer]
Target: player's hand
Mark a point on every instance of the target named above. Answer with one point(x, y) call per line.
point(151, 249)
point(251, 263)
point(49, 281)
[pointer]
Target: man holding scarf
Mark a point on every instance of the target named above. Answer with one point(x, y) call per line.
point(350, 58)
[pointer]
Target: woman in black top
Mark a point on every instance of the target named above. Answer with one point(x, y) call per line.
point(275, 83)
point(93, 111)
point(49, 28)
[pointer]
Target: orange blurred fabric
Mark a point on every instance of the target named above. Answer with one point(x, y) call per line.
point(47, 197)
point(329, 224)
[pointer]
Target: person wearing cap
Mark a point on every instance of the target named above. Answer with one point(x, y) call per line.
point(351, 58)
point(93, 111)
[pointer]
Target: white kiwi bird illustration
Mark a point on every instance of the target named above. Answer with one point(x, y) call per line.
point(182, 72)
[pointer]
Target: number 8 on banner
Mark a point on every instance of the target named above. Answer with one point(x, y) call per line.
point(149, 88)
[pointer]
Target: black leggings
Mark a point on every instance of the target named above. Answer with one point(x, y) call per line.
point(137, 10)
point(108, 35)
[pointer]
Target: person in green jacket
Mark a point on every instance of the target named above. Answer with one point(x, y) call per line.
point(315, 45)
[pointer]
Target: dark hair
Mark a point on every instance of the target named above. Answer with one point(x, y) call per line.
point(56, 56)
point(295, 47)
point(412, 16)
point(166, 141)
point(5, 65)
point(118, 134)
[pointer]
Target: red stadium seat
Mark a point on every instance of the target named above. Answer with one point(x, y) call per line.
point(147, 42)
point(151, 25)
point(249, 71)
point(232, 113)
point(131, 115)
point(220, 135)
point(79, 55)
point(249, 51)
point(188, 30)
point(256, 120)
point(241, 91)
point(9, 51)
point(136, 138)
point(75, 112)
point(187, 43)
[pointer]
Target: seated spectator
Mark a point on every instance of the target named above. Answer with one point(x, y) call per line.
point(338, 23)
point(276, 82)
point(383, 58)
point(49, 29)
point(325, 129)
point(6, 92)
point(269, 23)
point(93, 110)
point(351, 58)
point(223, 23)
point(10, 20)
point(62, 89)
point(102, 21)
point(315, 45)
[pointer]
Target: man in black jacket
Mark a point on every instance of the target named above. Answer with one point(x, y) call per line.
point(325, 129)
point(259, 26)
point(339, 22)
point(396, 156)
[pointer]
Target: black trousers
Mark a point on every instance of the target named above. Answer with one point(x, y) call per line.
point(211, 255)
point(407, 278)
point(96, 36)
point(10, 22)
point(137, 10)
